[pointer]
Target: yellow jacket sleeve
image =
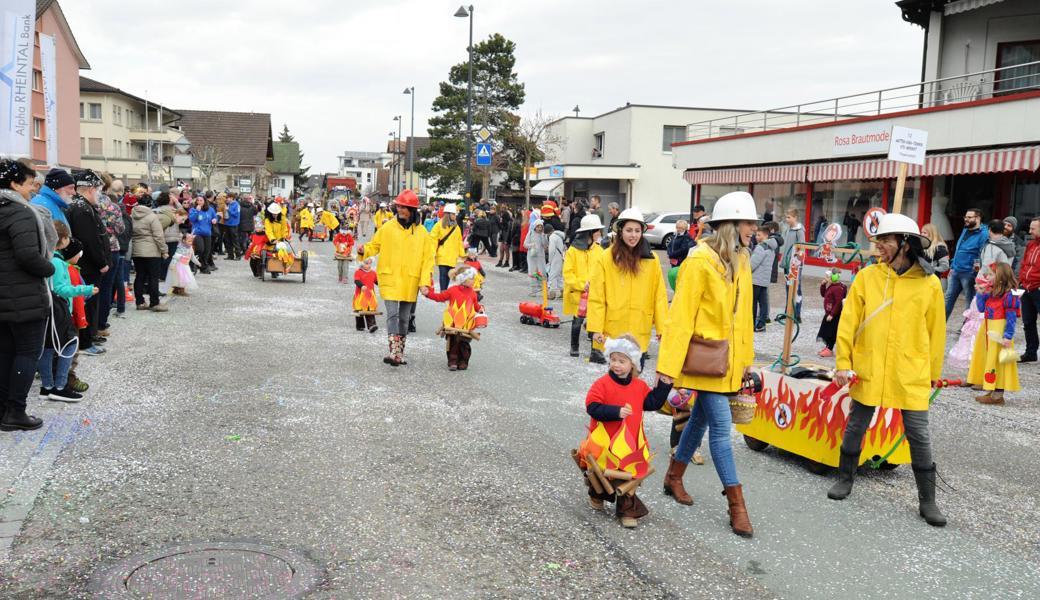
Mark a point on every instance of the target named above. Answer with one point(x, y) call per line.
point(660, 304)
point(596, 315)
point(570, 269)
point(427, 264)
point(373, 245)
point(936, 318)
point(675, 341)
point(851, 317)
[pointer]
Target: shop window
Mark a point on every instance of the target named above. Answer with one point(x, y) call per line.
point(1025, 202)
point(1020, 78)
point(711, 193)
point(672, 134)
point(773, 199)
point(844, 203)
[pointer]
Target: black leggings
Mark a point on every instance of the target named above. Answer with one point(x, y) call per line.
point(146, 280)
point(21, 345)
point(204, 250)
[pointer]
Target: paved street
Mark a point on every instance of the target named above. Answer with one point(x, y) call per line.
point(420, 483)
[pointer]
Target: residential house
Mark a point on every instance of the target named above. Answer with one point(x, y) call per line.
point(284, 169)
point(131, 137)
point(412, 179)
point(363, 167)
point(69, 59)
point(230, 149)
point(978, 101)
point(623, 156)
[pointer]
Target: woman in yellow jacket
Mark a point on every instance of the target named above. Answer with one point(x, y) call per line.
point(626, 288)
point(892, 339)
point(275, 227)
point(584, 250)
point(306, 220)
point(404, 268)
point(383, 214)
point(448, 247)
point(713, 301)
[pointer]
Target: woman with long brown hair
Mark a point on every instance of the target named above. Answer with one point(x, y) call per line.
point(626, 288)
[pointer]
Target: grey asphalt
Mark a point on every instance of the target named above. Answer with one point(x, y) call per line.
point(254, 411)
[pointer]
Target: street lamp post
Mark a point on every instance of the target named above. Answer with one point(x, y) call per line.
point(397, 160)
point(411, 136)
point(463, 13)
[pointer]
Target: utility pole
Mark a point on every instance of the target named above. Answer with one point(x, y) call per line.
point(462, 13)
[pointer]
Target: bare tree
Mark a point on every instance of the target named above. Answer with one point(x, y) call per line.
point(534, 138)
point(208, 159)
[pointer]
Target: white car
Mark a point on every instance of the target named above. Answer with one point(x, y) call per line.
point(660, 227)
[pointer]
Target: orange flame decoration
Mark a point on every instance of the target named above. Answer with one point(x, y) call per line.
point(627, 450)
point(459, 315)
point(365, 299)
point(820, 417)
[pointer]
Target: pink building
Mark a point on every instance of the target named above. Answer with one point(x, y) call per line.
point(69, 58)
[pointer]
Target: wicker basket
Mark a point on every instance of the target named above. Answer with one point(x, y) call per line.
point(743, 408)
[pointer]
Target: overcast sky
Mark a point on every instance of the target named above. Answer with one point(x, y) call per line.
point(334, 70)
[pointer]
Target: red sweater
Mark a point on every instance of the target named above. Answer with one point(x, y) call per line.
point(365, 290)
point(1029, 272)
point(627, 448)
point(79, 303)
point(462, 305)
point(833, 295)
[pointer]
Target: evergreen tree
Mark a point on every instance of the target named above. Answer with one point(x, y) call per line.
point(497, 94)
point(299, 179)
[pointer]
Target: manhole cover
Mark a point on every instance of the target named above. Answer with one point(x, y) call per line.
point(210, 570)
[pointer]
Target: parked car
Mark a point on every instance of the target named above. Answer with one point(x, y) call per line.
point(660, 227)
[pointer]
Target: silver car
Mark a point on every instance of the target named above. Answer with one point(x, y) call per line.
point(660, 227)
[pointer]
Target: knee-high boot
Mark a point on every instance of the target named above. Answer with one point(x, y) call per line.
point(847, 464)
point(576, 324)
point(738, 516)
point(925, 477)
point(673, 485)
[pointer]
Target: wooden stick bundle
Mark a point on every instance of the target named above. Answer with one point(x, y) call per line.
point(594, 467)
point(629, 487)
point(366, 313)
point(466, 333)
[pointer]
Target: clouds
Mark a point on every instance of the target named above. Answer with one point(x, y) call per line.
point(334, 70)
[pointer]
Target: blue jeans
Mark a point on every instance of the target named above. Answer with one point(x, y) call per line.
point(710, 412)
point(957, 283)
point(445, 281)
point(54, 374)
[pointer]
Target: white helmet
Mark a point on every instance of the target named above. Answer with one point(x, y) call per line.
point(451, 208)
point(590, 223)
point(274, 209)
point(630, 214)
point(310, 205)
point(734, 206)
point(900, 224)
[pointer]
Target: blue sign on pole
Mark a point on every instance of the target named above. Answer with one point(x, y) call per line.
point(483, 154)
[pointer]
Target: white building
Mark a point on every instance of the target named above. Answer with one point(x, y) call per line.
point(363, 167)
point(623, 156)
point(979, 101)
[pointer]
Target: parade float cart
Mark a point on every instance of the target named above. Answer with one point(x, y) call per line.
point(274, 267)
point(533, 313)
point(319, 232)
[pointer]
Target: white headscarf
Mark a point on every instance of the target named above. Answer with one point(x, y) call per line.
point(626, 347)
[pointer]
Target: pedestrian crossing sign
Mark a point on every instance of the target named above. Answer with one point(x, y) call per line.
point(483, 155)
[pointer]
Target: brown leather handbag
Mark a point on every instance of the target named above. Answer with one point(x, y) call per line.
point(709, 358)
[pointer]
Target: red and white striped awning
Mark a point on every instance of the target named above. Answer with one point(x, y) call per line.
point(777, 174)
point(1001, 160)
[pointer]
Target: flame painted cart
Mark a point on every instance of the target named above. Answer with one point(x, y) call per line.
point(270, 265)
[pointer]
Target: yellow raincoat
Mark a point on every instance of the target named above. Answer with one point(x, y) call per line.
point(329, 220)
point(576, 273)
point(405, 260)
point(276, 230)
point(306, 219)
point(382, 216)
point(896, 350)
point(620, 302)
point(452, 250)
point(708, 305)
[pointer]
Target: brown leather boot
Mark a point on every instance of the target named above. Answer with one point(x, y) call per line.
point(738, 517)
point(673, 482)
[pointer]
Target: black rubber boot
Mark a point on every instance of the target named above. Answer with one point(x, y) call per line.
point(847, 465)
point(925, 477)
point(575, 334)
point(596, 356)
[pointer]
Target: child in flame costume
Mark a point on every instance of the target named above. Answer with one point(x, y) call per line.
point(616, 442)
point(365, 280)
point(460, 314)
point(344, 244)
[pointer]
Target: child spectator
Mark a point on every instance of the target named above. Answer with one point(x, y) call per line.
point(615, 404)
point(344, 244)
point(478, 281)
point(463, 306)
point(365, 281)
point(833, 292)
point(180, 275)
point(761, 269)
point(61, 339)
point(994, 362)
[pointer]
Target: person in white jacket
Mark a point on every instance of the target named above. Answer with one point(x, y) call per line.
point(557, 249)
point(537, 246)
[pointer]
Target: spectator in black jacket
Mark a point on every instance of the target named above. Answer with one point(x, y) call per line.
point(505, 230)
point(87, 227)
point(481, 232)
point(24, 298)
point(681, 243)
point(577, 212)
point(247, 218)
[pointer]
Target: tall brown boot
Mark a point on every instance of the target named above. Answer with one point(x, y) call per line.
point(738, 517)
point(673, 482)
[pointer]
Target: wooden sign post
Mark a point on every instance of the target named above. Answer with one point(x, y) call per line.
point(907, 146)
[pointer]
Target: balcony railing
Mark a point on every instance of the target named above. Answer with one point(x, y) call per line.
point(938, 92)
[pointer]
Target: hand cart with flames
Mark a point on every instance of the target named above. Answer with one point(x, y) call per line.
point(805, 413)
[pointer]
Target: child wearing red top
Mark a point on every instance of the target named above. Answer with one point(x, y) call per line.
point(615, 404)
point(463, 306)
point(833, 292)
point(344, 244)
point(365, 281)
point(994, 362)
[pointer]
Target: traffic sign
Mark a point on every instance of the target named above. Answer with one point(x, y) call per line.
point(484, 134)
point(484, 155)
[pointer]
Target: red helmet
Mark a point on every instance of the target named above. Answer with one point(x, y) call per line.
point(407, 198)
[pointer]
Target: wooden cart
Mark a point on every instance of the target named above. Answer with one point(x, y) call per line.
point(274, 267)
